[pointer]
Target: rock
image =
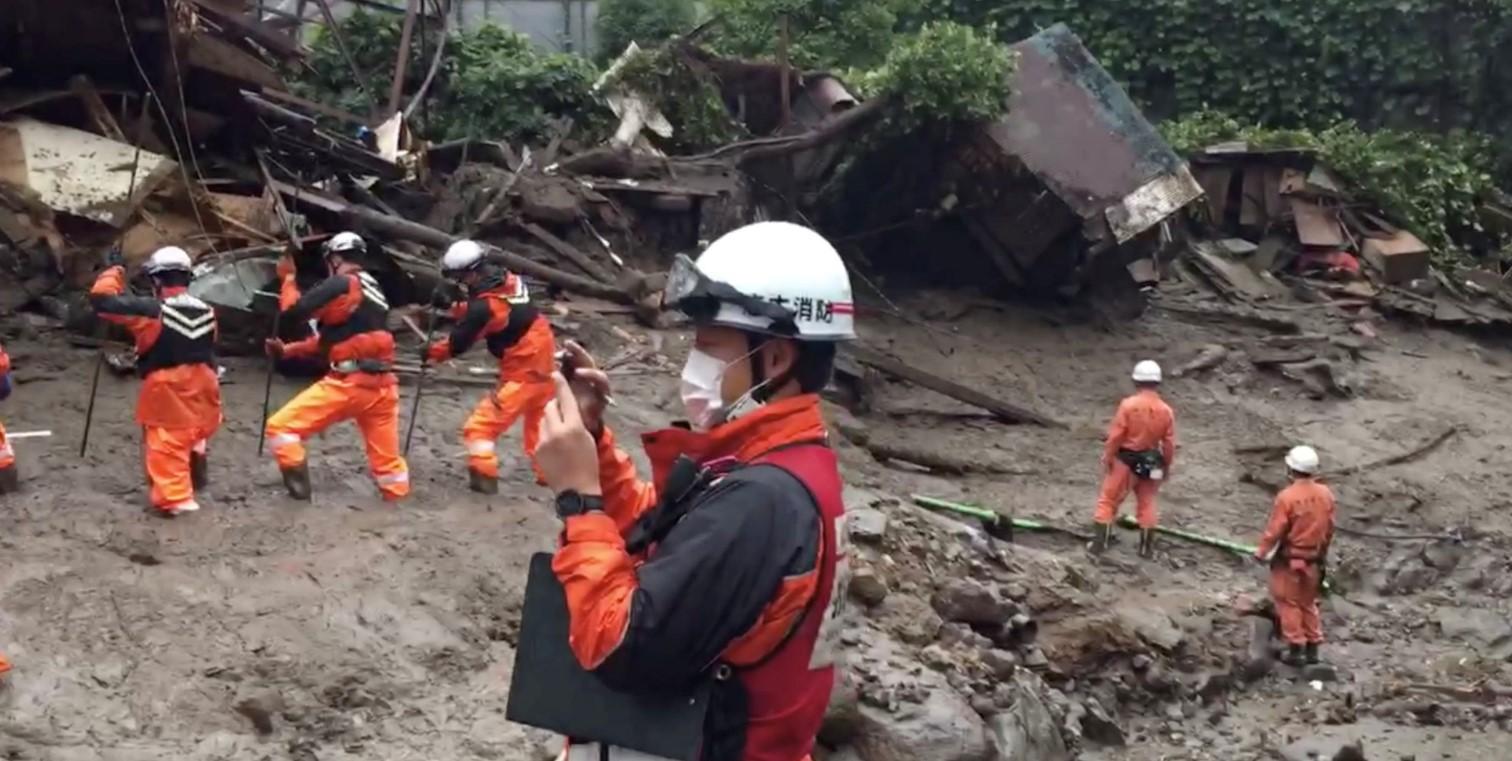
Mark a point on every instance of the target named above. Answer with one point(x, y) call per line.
point(1015, 590)
point(909, 618)
point(971, 602)
point(1478, 626)
point(1157, 680)
point(1174, 713)
point(1141, 662)
point(1151, 625)
point(944, 727)
point(1319, 672)
point(1099, 726)
point(1027, 730)
point(867, 587)
point(842, 720)
point(936, 657)
point(1213, 683)
point(1443, 556)
point(867, 525)
point(1260, 661)
point(260, 708)
point(983, 706)
point(1001, 663)
point(844, 754)
point(1034, 658)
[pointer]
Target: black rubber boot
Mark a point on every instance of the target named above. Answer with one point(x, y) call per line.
point(1310, 654)
point(297, 481)
point(482, 484)
point(10, 480)
point(1101, 534)
point(199, 470)
point(1293, 656)
point(1147, 543)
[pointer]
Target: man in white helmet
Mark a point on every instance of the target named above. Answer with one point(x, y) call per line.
point(179, 407)
point(1295, 544)
point(1137, 456)
point(730, 563)
point(351, 313)
point(499, 311)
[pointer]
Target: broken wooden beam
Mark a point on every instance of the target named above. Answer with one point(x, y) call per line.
point(567, 251)
point(99, 113)
point(1003, 410)
point(935, 461)
point(1211, 314)
point(403, 229)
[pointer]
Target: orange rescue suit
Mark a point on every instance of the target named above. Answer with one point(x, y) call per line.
point(7, 453)
point(520, 337)
point(1300, 529)
point(179, 407)
point(1142, 422)
point(351, 311)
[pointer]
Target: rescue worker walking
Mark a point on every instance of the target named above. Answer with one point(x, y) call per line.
point(179, 407)
point(730, 564)
point(351, 313)
point(498, 309)
point(1296, 545)
point(1137, 456)
point(9, 479)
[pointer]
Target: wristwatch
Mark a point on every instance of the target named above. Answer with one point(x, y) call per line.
point(571, 502)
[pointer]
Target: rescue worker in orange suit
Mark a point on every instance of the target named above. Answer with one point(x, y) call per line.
point(730, 563)
point(296, 273)
point(1137, 456)
point(1296, 545)
point(498, 310)
point(9, 479)
point(179, 407)
point(351, 313)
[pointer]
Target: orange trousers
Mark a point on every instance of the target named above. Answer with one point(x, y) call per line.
point(332, 399)
point(7, 454)
point(1117, 483)
point(166, 453)
point(1294, 588)
point(494, 415)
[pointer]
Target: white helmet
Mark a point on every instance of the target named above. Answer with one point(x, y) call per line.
point(1146, 371)
point(345, 242)
point(460, 257)
point(168, 259)
point(770, 277)
point(1302, 459)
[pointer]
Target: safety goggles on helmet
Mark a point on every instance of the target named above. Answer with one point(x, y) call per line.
point(699, 297)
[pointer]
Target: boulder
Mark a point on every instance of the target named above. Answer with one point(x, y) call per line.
point(1026, 731)
point(867, 587)
point(1478, 626)
point(1099, 726)
point(909, 618)
point(944, 727)
point(971, 602)
point(842, 720)
point(1001, 663)
point(866, 524)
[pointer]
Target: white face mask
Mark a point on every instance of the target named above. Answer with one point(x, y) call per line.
point(700, 386)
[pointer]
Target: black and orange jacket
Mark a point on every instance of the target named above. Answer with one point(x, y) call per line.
point(352, 313)
point(1301, 522)
point(175, 347)
point(728, 583)
point(512, 328)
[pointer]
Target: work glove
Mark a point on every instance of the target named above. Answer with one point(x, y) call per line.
point(114, 257)
point(274, 347)
point(5, 386)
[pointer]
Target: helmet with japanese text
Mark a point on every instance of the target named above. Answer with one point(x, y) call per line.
point(168, 259)
point(775, 278)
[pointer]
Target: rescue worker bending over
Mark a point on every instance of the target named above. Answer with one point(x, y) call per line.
point(1296, 545)
point(179, 407)
point(498, 309)
point(351, 313)
point(1137, 456)
point(9, 479)
point(747, 588)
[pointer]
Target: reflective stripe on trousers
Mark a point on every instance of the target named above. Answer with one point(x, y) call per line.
point(597, 752)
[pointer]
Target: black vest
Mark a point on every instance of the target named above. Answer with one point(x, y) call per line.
point(187, 336)
point(521, 317)
point(371, 314)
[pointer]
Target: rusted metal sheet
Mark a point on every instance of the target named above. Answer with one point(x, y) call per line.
point(1080, 134)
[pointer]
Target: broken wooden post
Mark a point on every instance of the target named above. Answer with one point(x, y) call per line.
point(566, 251)
point(98, 112)
point(1006, 411)
point(401, 61)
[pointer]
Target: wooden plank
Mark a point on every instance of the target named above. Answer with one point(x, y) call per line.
point(567, 251)
point(1004, 410)
point(98, 112)
point(217, 55)
point(252, 29)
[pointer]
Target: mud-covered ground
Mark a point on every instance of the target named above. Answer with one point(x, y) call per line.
point(364, 630)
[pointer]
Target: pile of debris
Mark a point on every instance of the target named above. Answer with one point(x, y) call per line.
point(1278, 212)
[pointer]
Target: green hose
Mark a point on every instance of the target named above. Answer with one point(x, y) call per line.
point(1223, 544)
point(982, 513)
